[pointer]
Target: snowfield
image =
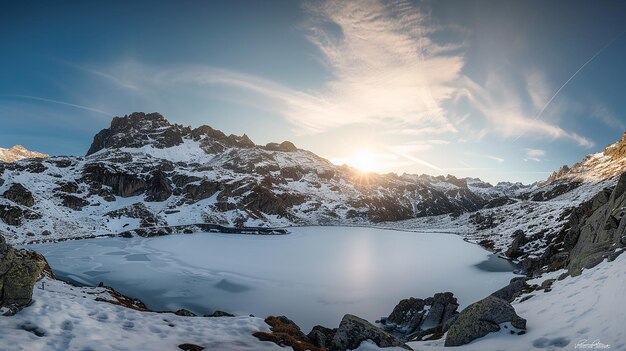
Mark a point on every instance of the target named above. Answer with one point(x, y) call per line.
point(578, 310)
point(63, 317)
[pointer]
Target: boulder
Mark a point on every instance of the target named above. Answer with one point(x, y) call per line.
point(482, 318)
point(19, 270)
point(284, 332)
point(321, 336)
point(414, 318)
point(20, 195)
point(353, 331)
point(11, 215)
point(514, 289)
point(74, 202)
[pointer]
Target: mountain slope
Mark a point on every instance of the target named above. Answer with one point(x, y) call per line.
point(18, 152)
point(144, 172)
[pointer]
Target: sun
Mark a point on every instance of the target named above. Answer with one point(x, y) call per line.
point(363, 160)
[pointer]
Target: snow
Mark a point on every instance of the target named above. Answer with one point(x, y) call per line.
point(579, 309)
point(314, 275)
point(69, 318)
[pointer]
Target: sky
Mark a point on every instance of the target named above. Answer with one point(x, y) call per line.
point(501, 90)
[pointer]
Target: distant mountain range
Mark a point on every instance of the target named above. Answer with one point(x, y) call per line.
point(145, 175)
point(18, 152)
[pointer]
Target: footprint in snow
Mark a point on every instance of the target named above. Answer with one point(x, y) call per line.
point(543, 343)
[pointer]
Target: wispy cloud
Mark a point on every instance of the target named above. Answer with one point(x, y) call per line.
point(507, 114)
point(386, 70)
point(534, 155)
point(64, 103)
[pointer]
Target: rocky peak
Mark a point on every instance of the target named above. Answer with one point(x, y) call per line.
point(617, 150)
point(285, 146)
point(141, 129)
point(18, 152)
point(595, 167)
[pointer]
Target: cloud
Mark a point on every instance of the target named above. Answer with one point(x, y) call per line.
point(534, 155)
point(507, 114)
point(387, 70)
point(607, 116)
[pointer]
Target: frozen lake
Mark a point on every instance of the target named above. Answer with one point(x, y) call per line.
point(314, 275)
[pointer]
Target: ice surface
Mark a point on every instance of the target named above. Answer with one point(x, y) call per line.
point(314, 275)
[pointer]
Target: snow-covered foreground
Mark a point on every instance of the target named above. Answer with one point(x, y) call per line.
point(314, 275)
point(64, 318)
point(583, 310)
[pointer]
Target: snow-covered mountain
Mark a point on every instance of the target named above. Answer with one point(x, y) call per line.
point(18, 152)
point(595, 167)
point(147, 175)
point(145, 172)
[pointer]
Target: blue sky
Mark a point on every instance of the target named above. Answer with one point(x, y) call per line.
point(445, 87)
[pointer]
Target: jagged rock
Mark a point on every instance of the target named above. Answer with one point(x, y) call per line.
point(321, 336)
point(219, 314)
point(19, 270)
point(481, 318)
point(519, 240)
point(353, 331)
point(285, 146)
point(74, 202)
point(11, 215)
point(482, 222)
point(555, 189)
point(499, 202)
point(617, 151)
point(205, 189)
point(412, 317)
point(286, 333)
point(185, 313)
point(514, 289)
point(20, 195)
point(68, 187)
point(139, 211)
point(121, 183)
point(136, 130)
point(159, 187)
point(599, 231)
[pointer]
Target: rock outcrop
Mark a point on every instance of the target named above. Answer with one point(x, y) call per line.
point(481, 318)
point(284, 332)
point(19, 270)
point(353, 331)
point(413, 318)
point(515, 288)
point(601, 230)
point(20, 195)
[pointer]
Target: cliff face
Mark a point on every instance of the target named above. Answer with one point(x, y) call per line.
point(601, 232)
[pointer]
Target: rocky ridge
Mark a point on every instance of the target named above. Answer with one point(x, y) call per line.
point(18, 152)
point(145, 172)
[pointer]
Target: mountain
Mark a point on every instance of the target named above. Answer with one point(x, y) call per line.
point(144, 173)
point(18, 152)
point(595, 167)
